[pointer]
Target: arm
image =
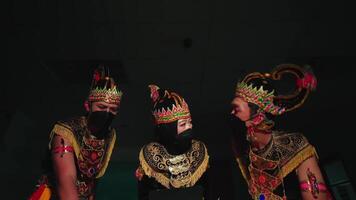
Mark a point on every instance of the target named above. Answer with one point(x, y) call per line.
point(64, 168)
point(311, 181)
point(145, 184)
point(207, 185)
point(142, 184)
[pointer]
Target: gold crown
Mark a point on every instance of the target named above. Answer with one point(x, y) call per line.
point(103, 87)
point(179, 110)
point(168, 115)
point(305, 83)
point(258, 96)
point(111, 95)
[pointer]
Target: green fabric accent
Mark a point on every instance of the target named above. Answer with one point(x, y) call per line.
point(119, 182)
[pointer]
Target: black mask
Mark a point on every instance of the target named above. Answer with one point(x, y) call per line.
point(185, 136)
point(99, 123)
point(184, 141)
point(174, 143)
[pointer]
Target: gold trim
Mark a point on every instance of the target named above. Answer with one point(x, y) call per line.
point(67, 134)
point(243, 169)
point(166, 182)
point(298, 159)
point(151, 173)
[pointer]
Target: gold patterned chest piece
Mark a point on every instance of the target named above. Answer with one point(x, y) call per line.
point(93, 152)
point(174, 170)
point(262, 183)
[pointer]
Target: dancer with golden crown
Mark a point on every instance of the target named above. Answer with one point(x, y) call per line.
point(174, 160)
point(80, 148)
point(277, 165)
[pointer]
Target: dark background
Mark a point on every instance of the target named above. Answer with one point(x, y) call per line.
point(198, 48)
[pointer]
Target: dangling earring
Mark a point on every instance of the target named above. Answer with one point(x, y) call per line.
point(251, 134)
point(86, 105)
point(248, 137)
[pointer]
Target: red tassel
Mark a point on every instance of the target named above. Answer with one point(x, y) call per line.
point(37, 194)
point(96, 76)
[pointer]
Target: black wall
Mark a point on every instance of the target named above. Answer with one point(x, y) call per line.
point(198, 48)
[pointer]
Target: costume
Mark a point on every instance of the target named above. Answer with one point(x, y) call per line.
point(172, 161)
point(90, 143)
point(268, 171)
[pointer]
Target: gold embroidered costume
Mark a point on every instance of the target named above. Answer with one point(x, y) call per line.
point(92, 155)
point(174, 170)
point(89, 138)
point(174, 161)
point(268, 167)
point(266, 170)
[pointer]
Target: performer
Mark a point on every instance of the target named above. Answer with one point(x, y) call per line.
point(80, 148)
point(276, 163)
point(174, 160)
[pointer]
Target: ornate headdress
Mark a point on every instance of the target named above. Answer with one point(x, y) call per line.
point(103, 87)
point(266, 100)
point(168, 106)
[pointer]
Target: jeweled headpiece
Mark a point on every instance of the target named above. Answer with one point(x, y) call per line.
point(168, 106)
point(266, 100)
point(104, 88)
